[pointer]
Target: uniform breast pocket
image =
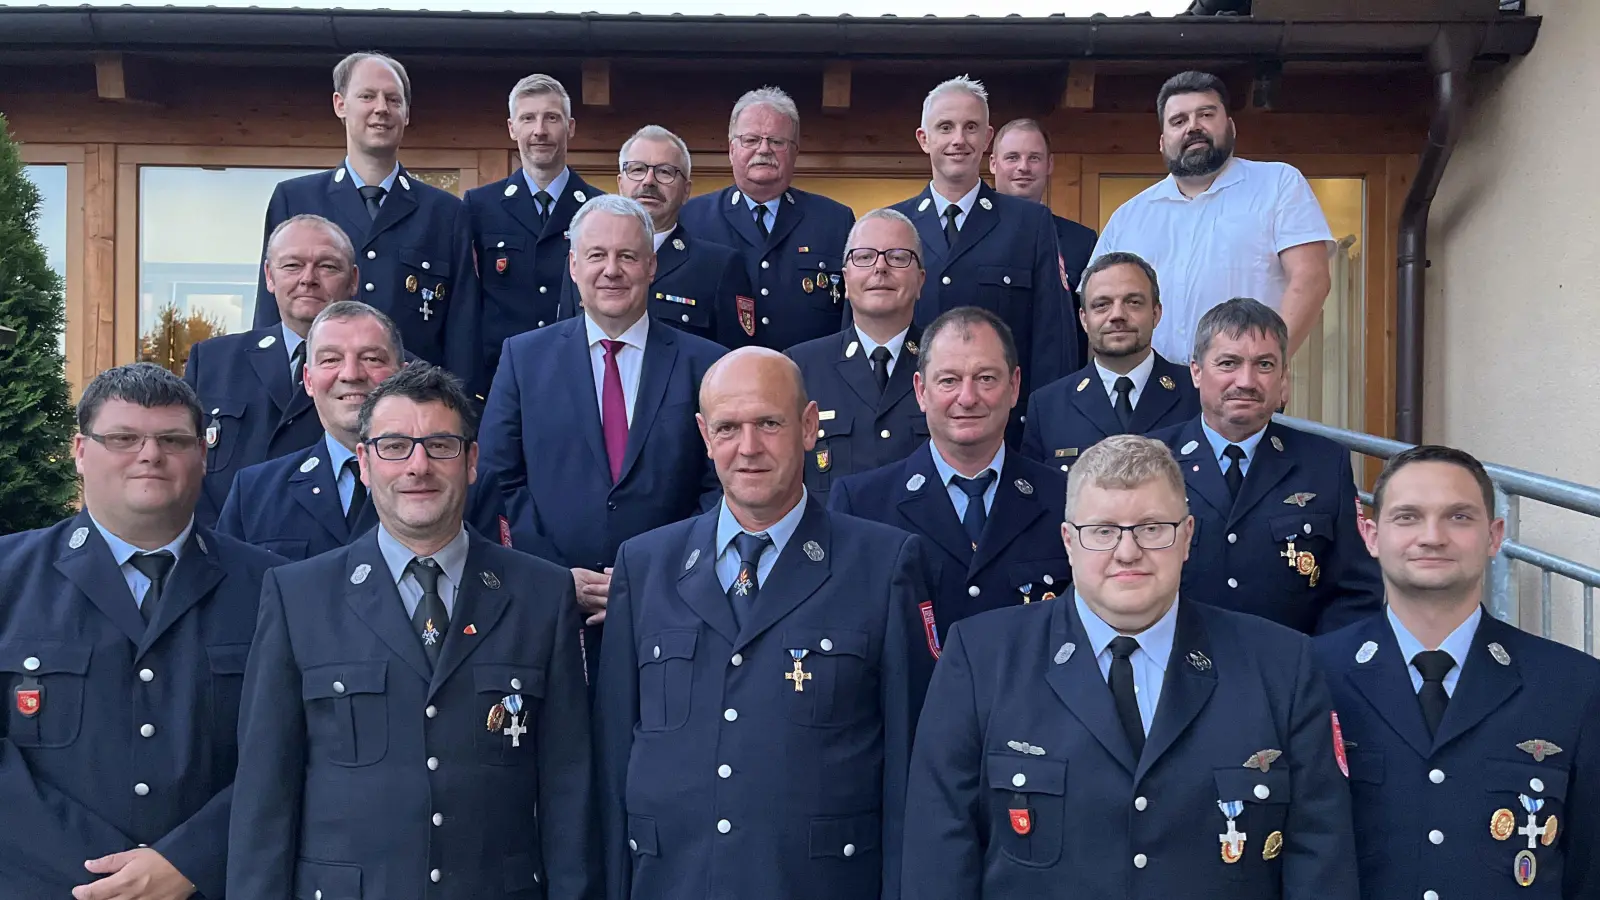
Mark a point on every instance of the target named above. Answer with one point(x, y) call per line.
point(666, 674)
point(1525, 802)
point(347, 713)
point(44, 687)
point(1264, 799)
point(819, 278)
point(500, 256)
point(1366, 792)
point(689, 313)
point(831, 454)
point(1006, 290)
point(426, 273)
point(827, 679)
point(1312, 537)
point(1039, 579)
point(509, 696)
point(227, 681)
point(224, 427)
point(1028, 797)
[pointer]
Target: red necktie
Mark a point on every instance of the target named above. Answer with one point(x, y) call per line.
point(614, 410)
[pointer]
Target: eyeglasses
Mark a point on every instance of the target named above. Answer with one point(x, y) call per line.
point(866, 258)
point(128, 442)
point(396, 447)
point(665, 174)
point(1147, 535)
point(753, 141)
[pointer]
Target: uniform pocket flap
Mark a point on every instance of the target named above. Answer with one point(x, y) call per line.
point(665, 645)
point(43, 658)
point(1253, 785)
point(498, 678)
point(493, 242)
point(1027, 774)
point(431, 265)
point(1532, 779)
point(1300, 526)
point(642, 836)
point(845, 836)
point(816, 262)
point(829, 642)
point(343, 679)
point(228, 659)
point(827, 428)
point(1045, 575)
point(326, 881)
point(677, 309)
point(1005, 276)
point(226, 408)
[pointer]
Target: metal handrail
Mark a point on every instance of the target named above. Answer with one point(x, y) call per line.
point(1511, 486)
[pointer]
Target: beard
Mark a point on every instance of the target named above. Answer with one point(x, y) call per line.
point(1202, 159)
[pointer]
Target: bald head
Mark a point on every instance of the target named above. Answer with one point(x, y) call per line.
point(758, 426)
point(768, 372)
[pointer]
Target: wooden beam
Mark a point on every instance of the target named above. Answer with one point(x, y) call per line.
point(1079, 92)
point(836, 87)
point(110, 81)
point(597, 83)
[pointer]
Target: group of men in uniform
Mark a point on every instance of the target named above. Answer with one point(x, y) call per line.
point(891, 598)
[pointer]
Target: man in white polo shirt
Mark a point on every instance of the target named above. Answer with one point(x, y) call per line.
point(1221, 227)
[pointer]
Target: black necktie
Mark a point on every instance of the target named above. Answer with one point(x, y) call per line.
point(155, 567)
point(1235, 471)
point(880, 367)
point(1122, 691)
point(951, 232)
point(541, 203)
point(742, 592)
point(372, 194)
point(297, 364)
point(1123, 388)
point(761, 220)
point(430, 620)
point(976, 515)
point(1434, 666)
point(358, 496)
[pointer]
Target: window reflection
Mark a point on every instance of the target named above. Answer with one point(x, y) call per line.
point(52, 184)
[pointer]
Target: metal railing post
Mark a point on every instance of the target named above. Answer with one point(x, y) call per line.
point(1503, 603)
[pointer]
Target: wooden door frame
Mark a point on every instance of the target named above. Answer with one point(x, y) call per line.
point(81, 337)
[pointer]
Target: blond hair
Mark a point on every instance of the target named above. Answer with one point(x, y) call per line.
point(1124, 462)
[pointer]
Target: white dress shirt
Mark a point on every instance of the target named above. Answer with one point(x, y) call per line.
point(1220, 244)
point(940, 204)
point(1458, 645)
point(1140, 376)
point(1149, 661)
point(122, 552)
point(958, 497)
point(630, 360)
point(895, 343)
point(452, 560)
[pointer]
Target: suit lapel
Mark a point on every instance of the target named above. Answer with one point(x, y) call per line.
point(317, 490)
point(398, 205)
point(1200, 472)
point(1269, 467)
point(980, 221)
point(94, 571)
point(697, 581)
point(927, 509)
point(271, 365)
point(795, 576)
point(519, 204)
point(930, 229)
point(1386, 683)
point(376, 600)
point(193, 578)
point(1081, 687)
point(1485, 684)
point(555, 225)
point(1156, 398)
point(900, 377)
point(1091, 401)
point(352, 210)
point(1014, 512)
point(660, 355)
point(789, 215)
point(1185, 688)
point(855, 370)
point(741, 220)
point(480, 601)
point(580, 387)
point(669, 258)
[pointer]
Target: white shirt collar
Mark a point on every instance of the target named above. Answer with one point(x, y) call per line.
point(1220, 443)
point(1140, 376)
point(780, 531)
point(894, 344)
point(940, 203)
point(660, 237)
point(634, 337)
point(947, 471)
point(452, 558)
point(388, 181)
point(554, 188)
point(1155, 641)
point(1229, 176)
point(771, 205)
point(122, 551)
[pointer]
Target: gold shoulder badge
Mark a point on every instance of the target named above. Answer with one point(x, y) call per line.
point(1168, 383)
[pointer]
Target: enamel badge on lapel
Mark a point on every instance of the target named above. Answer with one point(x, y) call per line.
point(915, 482)
point(404, 183)
point(850, 351)
point(911, 347)
point(1538, 748)
point(1189, 448)
point(79, 535)
point(511, 190)
point(747, 314)
point(338, 175)
point(694, 557)
point(201, 543)
point(923, 206)
point(359, 576)
point(1367, 652)
point(490, 580)
point(1168, 383)
point(813, 551)
point(266, 342)
point(1065, 653)
point(984, 202)
point(1499, 653)
point(578, 195)
point(1083, 384)
point(1263, 759)
point(1277, 444)
point(470, 630)
point(1199, 660)
point(1023, 487)
point(824, 459)
point(309, 464)
point(677, 243)
point(1300, 498)
point(1025, 747)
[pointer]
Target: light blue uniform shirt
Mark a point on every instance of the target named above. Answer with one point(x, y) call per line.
point(387, 184)
point(554, 188)
point(958, 497)
point(1149, 661)
point(1458, 645)
point(452, 560)
point(346, 481)
point(1220, 443)
point(122, 551)
point(728, 528)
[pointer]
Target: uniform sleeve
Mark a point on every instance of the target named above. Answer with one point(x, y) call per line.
point(616, 712)
point(264, 826)
point(1358, 589)
point(903, 687)
point(231, 520)
point(47, 835)
point(839, 498)
point(199, 847)
point(568, 304)
point(1032, 441)
point(500, 433)
point(1581, 879)
point(464, 316)
point(1297, 218)
point(566, 786)
point(1319, 844)
point(734, 283)
point(943, 845)
point(1053, 345)
point(266, 304)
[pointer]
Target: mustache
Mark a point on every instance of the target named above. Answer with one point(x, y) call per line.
point(764, 159)
point(1243, 394)
point(651, 192)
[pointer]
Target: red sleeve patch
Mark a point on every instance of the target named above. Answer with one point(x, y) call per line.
point(930, 628)
point(1338, 745)
point(505, 531)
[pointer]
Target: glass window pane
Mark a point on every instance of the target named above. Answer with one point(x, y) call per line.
point(52, 184)
point(199, 254)
point(444, 179)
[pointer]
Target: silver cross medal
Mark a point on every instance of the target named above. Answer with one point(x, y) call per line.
point(1533, 831)
point(425, 309)
point(516, 729)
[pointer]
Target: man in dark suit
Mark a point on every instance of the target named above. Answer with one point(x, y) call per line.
point(591, 421)
point(251, 384)
point(994, 516)
point(1454, 719)
point(987, 249)
point(123, 634)
point(758, 690)
point(411, 237)
point(861, 377)
point(699, 285)
point(1124, 742)
point(792, 241)
point(1275, 509)
point(414, 719)
point(1128, 388)
point(520, 223)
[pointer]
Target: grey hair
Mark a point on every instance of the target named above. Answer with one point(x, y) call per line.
point(143, 384)
point(767, 95)
point(1124, 462)
point(656, 133)
point(962, 319)
point(347, 67)
point(959, 83)
point(345, 310)
point(616, 205)
point(889, 215)
point(535, 84)
point(1120, 258)
point(339, 237)
point(1237, 318)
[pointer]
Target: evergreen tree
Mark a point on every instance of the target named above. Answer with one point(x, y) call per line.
point(37, 482)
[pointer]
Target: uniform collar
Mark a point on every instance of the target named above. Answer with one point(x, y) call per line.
point(1458, 644)
point(387, 183)
point(452, 558)
point(781, 531)
point(940, 204)
point(1140, 374)
point(554, 188)
point(1155, 641)
point(290, 340)
point(337, 454)
point(771, 205)
point(635, 336)
point(947, 471)
point(122, 551)
point(894, 344)
point(1220, 443)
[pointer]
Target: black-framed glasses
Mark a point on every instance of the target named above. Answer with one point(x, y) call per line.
point(866, 257)
point(397, 447)
point(1148, 535)
point(753, 141)
point(665, 173)
point(129, 442)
